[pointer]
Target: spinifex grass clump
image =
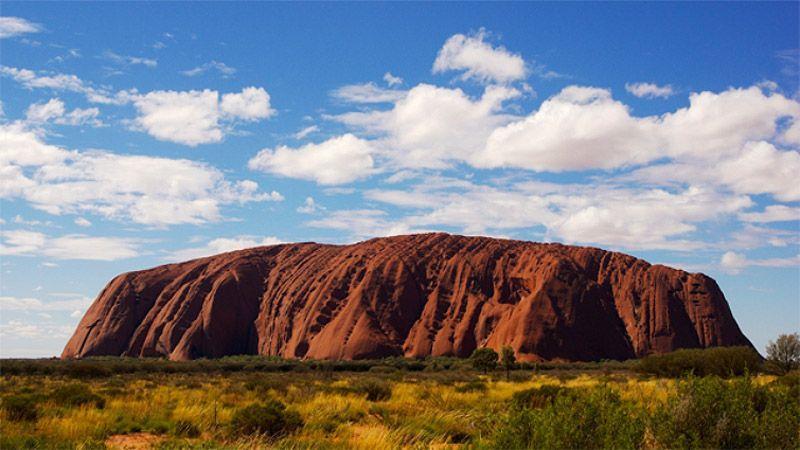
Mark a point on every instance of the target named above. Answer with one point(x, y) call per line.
point(76, 394)
point(21, 407)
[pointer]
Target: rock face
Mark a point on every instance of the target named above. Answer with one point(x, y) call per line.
point(414, 296)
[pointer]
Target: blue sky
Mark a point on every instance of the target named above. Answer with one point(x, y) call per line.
point(139, 134)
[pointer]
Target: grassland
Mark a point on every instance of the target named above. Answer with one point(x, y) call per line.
point(264, 403)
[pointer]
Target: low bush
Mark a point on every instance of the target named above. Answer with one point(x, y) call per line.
point(375, 390)
point(271, 419)
point(593, 418)
point(20, 408)
point(537, 397)
point(713, 413)
point(719, 361)
point(76, 394)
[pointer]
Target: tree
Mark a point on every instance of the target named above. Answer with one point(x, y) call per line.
point(784, 353)
point(484, 359)
point(508, 360)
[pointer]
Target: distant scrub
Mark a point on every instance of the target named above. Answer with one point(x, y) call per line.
point(719, 361)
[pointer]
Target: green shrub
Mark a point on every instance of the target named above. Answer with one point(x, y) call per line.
point(270, 419)
point(719, 361)
point(712, 413)
point(21, 407)
point(374, 389)
point(537, 397)
point(594, 418)
point(472, 386)
point(484, 359)
point(76, 394)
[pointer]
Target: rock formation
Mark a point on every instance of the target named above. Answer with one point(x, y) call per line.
point(413, 296)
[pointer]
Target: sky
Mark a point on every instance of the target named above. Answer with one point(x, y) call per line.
point(133, 135)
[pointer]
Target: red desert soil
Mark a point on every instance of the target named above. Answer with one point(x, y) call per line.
point(413, 296)
point(134, 441)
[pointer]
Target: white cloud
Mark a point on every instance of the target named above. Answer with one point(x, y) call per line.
point(77, 303)
point(222, 245)
point(142, 189)
point(338, 160)
point(75, 246)
point(580, 128)
point(305, 132)
point(251, 104)
point(479, 59)
point(43, 112)
point(608, 215)
point(54, 110)
point(584, 128)
point(362, 223)
point(189, 118)
point(15, 26)
point(223, 69)
point(432, 126)
point(62, 82)
point(772, 213)
point(761, 168)
point(392, 80)
point(130, 60)
point(82, 222)
point(193, 117)
point(310, 206)
point(734, 263)
point(17, 329)
point(649, 90)
point(367, 93)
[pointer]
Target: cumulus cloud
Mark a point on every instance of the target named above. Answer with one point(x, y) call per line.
point(222, 245)
point(649, 90)
point(251, 104)
point(479, 60)
point(585, 128)
point(55, 111)
point(580, 128)
point(74, 246)
point(193, 117)
point(432, 126)
point(310, 206)
point(15, 26)
point(142, 189)
point(338, 160)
